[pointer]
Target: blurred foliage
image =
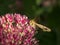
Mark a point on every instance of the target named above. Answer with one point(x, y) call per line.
point(46, 15)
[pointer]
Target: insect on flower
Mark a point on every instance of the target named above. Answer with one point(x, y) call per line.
point(44, 28)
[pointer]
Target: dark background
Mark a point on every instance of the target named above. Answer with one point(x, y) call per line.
point(45, 13)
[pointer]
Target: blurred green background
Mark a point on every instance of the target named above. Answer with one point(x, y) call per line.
point(46, 12)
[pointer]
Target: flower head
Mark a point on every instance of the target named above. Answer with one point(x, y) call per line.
point(16, 30)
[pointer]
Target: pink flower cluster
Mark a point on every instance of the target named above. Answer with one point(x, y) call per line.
point(16, 30)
